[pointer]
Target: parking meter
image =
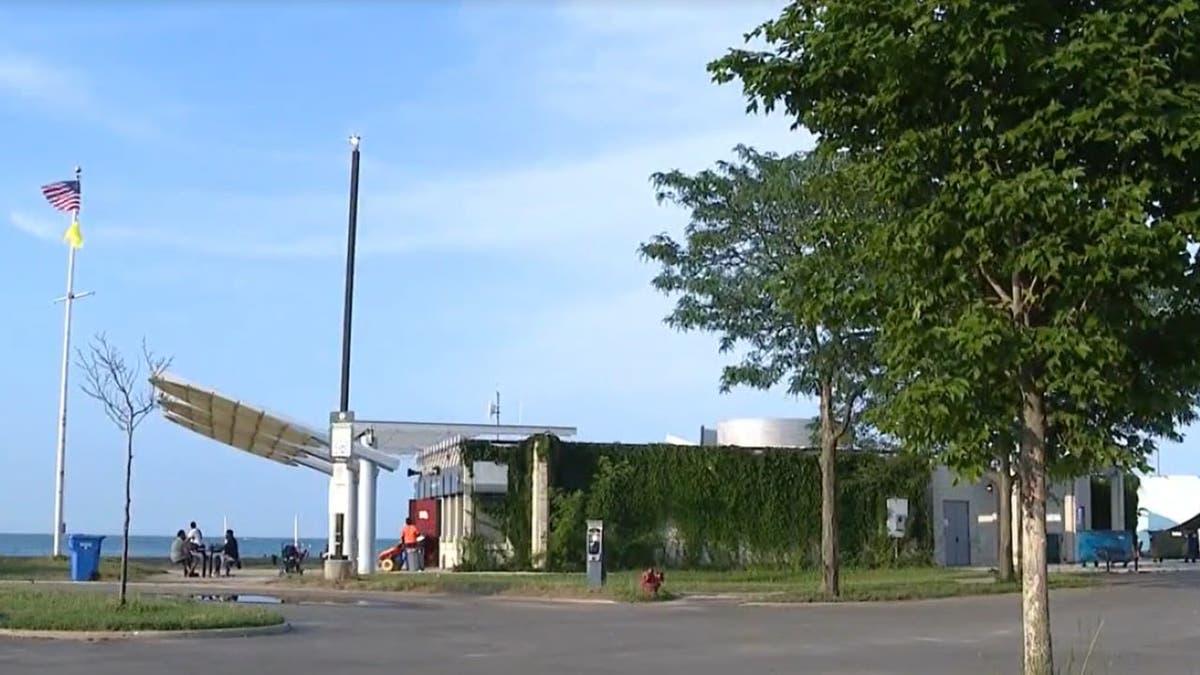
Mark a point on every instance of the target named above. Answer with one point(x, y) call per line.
point(595, 553)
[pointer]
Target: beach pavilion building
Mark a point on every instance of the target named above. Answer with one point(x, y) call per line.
point(351, 452)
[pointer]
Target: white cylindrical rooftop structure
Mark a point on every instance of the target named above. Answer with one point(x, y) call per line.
point(768, 432)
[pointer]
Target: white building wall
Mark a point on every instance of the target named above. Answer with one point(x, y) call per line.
point(982, 518)
point(985, 516)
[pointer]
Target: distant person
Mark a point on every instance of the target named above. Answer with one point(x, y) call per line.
point(194, 535)
point(181, 554)
point(230, 555)
point(196, 540)
point(411, 538)
point(1193, 547)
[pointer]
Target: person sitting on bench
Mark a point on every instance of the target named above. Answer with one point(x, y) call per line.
point(230, 556)
point(181, 554)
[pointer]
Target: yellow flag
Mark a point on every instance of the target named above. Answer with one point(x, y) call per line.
point(73, 236)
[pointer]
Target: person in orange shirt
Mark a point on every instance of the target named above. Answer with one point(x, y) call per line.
point(411, 538)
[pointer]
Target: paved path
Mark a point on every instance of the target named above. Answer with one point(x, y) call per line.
point(1151, 624)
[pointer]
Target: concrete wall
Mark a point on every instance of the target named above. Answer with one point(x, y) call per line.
point(984, 515)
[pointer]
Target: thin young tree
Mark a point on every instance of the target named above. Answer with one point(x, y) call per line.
point(124, 391)
point(769, 262)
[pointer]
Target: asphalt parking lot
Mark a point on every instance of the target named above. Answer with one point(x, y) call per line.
point(1145, 624)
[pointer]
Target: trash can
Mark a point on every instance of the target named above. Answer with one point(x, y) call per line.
point(1054, 549)
point(85, 556)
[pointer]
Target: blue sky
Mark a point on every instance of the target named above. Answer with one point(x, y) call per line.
point(506, 155)
point(507, 149)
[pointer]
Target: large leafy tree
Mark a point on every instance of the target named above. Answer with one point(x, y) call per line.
point(1042, 159)
point(770, 262)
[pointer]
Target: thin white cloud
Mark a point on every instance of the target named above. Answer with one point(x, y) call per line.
point(613, 352)
point(642, 66)
point(625, 61)
point(592, 206)
point(596, 203)
point(36, 227)
point(67, 94)
point(589, 206)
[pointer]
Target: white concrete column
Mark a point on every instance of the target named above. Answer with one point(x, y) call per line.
point(352, 513)
point(1070, 516)
point(341, 485)
point(1117, 491)
point(368, 475)
point(340, 504)
point(468, 510)
point(540, 511)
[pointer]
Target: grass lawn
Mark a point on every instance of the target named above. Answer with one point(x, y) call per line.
point(777, 586)
point(43, 569)
point(88, 611)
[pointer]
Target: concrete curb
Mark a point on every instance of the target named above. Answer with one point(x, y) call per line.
point(550, 600)
point(103, 636)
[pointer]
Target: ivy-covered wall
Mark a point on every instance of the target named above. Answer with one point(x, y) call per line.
point(706, 507)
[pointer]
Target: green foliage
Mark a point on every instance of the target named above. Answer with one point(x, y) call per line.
point(513, 510)
point(564, 548)
point(476, 554)
point(1132, 483)
point(1041, 162)
point(769, 263)
point(727, 507)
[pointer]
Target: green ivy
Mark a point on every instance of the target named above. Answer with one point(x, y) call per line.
point(512, 511)
point(726, 507)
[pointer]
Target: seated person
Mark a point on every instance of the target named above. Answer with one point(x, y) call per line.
point(230, 556)
point(181, 554)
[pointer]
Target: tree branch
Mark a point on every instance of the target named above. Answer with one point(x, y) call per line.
point(114, 383)
point(1000, 293)
point(848, 415)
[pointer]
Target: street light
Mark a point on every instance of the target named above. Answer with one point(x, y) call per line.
point(348, 306)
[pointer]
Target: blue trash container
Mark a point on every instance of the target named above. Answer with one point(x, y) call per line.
point(85, 556)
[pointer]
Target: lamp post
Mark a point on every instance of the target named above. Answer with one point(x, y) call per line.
point(348, 306)
point(343, 483)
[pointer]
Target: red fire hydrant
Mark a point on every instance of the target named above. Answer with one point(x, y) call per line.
point(652, 579)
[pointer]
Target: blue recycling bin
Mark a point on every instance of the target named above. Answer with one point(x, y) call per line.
point(85, 556)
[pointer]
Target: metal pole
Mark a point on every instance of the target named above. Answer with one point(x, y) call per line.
point(60, 468)
point(348, 307)
point(61, 454)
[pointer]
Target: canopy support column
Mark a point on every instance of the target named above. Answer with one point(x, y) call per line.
point(368, 474)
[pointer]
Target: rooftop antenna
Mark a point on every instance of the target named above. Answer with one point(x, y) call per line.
point(494, 412)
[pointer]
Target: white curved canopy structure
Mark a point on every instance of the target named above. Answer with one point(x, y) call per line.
point(251, 428)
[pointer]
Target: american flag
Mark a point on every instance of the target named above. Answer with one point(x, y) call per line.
point(63, 195)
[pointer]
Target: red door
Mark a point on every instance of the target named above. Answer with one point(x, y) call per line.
point(426, 515)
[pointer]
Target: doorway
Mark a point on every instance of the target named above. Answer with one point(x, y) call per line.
point(957, 534)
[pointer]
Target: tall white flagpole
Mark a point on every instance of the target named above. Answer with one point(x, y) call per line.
point(60, 463)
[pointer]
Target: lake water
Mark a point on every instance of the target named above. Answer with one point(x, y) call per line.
point(36, 545)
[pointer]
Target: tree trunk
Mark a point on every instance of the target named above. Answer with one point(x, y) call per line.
point(125, 531)
point(1019, 530)
point(830, 583)
point(1035, 596)
point(1004, 493)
